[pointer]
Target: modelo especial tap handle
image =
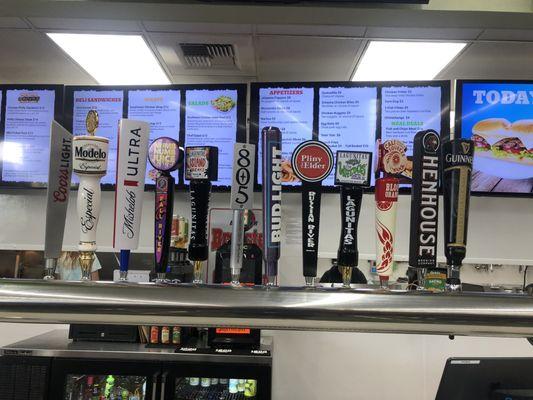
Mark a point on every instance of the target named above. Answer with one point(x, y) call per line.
point(90, 164)
point(201, 167)
point(57, 195)
point(457, 159)
point(352, 174)
point(271, 169)
point(165, 155)
point(133, 138)
point(312, 162)
point(424, 201)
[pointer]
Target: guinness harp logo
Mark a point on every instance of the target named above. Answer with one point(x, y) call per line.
point(466, 147)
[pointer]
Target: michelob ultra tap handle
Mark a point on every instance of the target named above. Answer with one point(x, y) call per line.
point(201, 167)
point(386, 199)
point(272, 173)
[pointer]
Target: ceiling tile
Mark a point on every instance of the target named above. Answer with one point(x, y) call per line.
point(85, 24)
point(312, 30)
point(13, 23)
point(288, 58)
point(191, 27)
point(422, 33)
point(30, 57)
point(507, 34)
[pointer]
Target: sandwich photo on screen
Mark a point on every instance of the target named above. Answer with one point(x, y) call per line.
point(498, 117)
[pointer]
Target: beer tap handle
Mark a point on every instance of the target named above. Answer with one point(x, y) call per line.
point(164, 202)
point(200, 193)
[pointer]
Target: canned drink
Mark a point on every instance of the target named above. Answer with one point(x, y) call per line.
point(205, 382)
point(194, 381)
point(233, 383)
point(250, 388)
point(240, 386)
point(176, 335)
point(165, 335)
point(214, 381)
point(154, 334)
point(223, 381)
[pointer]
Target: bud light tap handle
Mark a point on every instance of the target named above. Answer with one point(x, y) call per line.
point(457, 159)
point(271, 170)
point(352, 174)
point(165, 155)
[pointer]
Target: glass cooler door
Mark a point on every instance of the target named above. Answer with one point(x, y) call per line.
point(219, 382)
point(77, 379)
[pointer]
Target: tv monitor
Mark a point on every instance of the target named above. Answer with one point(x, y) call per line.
point(346, 115)
point(26, 113)
point(498, 117)
point(487, 379)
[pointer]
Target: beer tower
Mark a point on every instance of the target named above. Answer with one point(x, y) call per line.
point(57, 195)
point(201, 168)
point(133, 139)
point(90, 165)
point(242, 198)
point(271, 169)
point(165, 155)
point(352, 174)
point(424, 205)
point(457, 159)
point(312, 162)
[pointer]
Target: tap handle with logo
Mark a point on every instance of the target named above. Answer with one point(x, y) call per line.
point(424, 203)
point(352, 174)
point(201, 167)
point(165, 155)
point(457, 159)
point(272, 178)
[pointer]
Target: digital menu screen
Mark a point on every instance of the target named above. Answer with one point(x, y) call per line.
point(347, 115)
point(498, 117)
point(26, 115)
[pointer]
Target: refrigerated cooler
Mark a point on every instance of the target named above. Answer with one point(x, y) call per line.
point(51, 367)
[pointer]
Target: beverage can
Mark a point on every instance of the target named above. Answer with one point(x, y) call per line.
point(214, 381)
point(223, 381)
point(194, 381)
point(165, 335)
point(233, 386)
point(154, 334)
point(176, 335)
point(205, 382)
point(250, 388)
point(240, 385)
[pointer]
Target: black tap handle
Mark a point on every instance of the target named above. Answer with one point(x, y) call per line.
point(311, 198)
point(164, 201)
point(200, 192)
point(351, 199)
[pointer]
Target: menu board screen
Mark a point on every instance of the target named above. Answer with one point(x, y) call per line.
point(347, 115)
point(498, 117)
point(211, 119)
point(26, 119)
point(161, 109)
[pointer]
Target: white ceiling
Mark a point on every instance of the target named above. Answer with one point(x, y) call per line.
point(288, 50)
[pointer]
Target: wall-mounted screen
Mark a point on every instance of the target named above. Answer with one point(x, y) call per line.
point(498, 117)
point(192, 114)
point(26, 113)
point(347, 115)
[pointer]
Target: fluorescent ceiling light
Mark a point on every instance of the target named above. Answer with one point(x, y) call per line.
point(393, 61)
point(113, 59)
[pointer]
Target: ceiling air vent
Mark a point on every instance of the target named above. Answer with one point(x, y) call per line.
point(208, 56)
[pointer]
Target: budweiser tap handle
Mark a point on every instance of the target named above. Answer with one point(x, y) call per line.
point(165, 155)
point(271, 146)
point(457, 159)
point(386, 199)
point(352, 173)
point(424, 203)
point(200, 192)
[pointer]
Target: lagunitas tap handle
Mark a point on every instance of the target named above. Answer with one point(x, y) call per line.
point(312, 162)
point(386, 199)
point(242, 192)
point(133, 137)
point(90, 165)
point(424, 203)
point(165, 155)
point(57, 195)
point(271, 168)
point(201, 167)
point(352, 174)
point(457, 159)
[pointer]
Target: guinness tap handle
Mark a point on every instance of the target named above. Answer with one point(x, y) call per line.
point(352, 174)
point(201, 167)
point(457, 160)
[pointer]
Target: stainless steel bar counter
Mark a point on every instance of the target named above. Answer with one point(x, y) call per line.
point(295, 308)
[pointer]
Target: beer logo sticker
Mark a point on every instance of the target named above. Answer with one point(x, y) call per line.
point(312, 161)
point(431, 142)
point(353, 168)
point(196, 163)
point(90, 155)
point(466, 147)
point(165, 154)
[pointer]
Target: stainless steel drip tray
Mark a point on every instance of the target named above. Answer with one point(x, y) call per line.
point(57, 344)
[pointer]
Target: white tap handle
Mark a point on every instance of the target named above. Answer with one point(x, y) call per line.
point(386, 199)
